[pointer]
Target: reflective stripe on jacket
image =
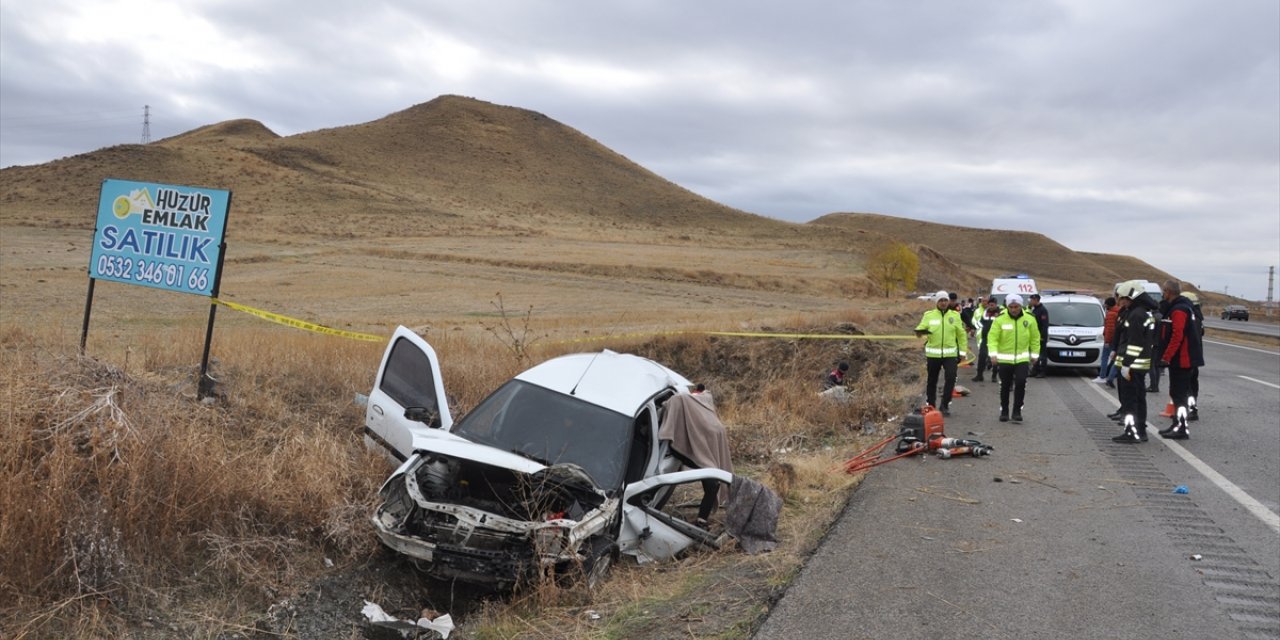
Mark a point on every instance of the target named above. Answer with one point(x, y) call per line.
point(1137, 338)
point(1014, 340)
point(947, 335)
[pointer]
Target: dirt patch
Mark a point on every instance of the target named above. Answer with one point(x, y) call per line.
point(331, 607)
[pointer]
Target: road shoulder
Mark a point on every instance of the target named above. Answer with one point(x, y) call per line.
point(1046, 538)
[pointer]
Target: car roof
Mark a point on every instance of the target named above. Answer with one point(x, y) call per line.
point(617, 381)
point(1070, 297)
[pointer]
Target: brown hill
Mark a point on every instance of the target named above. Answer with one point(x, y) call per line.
point(457, 181)
point(1131, 267)
point(988, 253)
point(458, 153)
point(450, 165)
point(232, 133)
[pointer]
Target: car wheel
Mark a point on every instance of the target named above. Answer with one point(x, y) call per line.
point(601, 552)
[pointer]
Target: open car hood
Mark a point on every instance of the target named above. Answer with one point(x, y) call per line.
point(452, 446)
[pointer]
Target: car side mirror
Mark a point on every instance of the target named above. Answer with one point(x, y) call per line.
point(424, 415)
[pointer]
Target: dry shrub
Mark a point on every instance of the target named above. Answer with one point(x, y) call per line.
point(114, 484)
point(118, 486)
point(767, 389)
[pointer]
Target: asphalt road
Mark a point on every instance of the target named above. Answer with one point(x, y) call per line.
point(1256, 328)
point(1078, 538)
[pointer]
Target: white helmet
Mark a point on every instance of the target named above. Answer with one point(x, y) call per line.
point(940, 296)
point(1131, 289)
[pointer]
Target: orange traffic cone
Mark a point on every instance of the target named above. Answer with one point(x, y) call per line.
point(1168, 410)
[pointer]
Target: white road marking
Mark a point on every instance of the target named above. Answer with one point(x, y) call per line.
point(1228, 344)
point(1273, 386)
point(1260, 511)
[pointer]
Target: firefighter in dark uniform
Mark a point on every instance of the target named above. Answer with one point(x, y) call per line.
point(1183, 354)
point(1137, 330)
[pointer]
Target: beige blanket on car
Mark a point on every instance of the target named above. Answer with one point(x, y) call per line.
point(695, 431)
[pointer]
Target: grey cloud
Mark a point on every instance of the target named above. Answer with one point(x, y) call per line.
point(983, 112)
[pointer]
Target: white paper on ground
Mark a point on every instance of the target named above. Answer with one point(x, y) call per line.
point(442, 625)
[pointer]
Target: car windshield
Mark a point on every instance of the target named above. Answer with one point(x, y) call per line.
point(1074, 314)
point(552, 428)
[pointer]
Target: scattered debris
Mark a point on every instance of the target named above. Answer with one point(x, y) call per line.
point(838, 395)
point(1018, 520)
point(943, 493)
point(997, 479)
point(1197, 557)
point(442, 625)
point(1182, 488)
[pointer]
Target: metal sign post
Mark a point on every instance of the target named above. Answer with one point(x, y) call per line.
point(204, 388)
point(161, 236)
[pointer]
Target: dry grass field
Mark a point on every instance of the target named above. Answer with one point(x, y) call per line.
point(130, 509)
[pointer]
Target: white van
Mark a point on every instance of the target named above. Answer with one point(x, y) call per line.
point(1021, 284)
point(1075, 331)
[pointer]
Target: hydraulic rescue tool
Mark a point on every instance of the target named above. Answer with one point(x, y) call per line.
point(921, 431)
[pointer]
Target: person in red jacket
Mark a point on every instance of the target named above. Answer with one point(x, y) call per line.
point(1183, 353)
point(1108, 334)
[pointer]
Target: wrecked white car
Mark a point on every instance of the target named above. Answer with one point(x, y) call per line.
point(557, 471)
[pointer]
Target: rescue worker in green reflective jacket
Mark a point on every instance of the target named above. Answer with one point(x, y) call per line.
point(944, 347)
point(1015, 347)
point(1137, 329)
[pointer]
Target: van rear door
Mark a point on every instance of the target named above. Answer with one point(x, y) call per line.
point(1001, 287)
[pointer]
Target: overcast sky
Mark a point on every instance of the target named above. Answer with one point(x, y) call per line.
point(1149, 128)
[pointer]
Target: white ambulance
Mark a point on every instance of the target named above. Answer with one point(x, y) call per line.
point(1021, 284)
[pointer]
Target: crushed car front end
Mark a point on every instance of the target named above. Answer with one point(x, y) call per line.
point(498, 522)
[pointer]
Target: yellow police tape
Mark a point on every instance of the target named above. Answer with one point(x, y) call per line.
point(315, 328)
point(298, 324)
point(739, 334)
point(805, 336)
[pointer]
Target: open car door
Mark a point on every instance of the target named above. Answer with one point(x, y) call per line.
point(409, 379)
point(650, 534)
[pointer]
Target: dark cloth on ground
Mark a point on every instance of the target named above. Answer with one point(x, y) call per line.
point(751, 515)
